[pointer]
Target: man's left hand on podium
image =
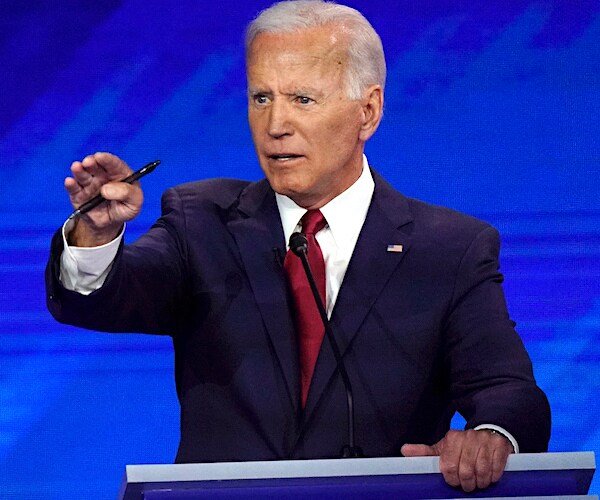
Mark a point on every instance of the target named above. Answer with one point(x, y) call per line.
point(469, 459)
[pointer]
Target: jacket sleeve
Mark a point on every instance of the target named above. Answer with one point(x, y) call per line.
point(491, 375)
point(145, 290)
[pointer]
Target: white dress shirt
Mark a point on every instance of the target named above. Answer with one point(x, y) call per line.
point(345, 216)
point(84, 269)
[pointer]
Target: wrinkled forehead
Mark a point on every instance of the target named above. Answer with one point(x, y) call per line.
point(291, 64)
point(319, 44)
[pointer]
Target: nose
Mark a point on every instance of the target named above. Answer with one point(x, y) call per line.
point(279, 124)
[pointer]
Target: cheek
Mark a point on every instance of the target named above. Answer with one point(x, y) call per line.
point(256, 122)
point(330, 133)
point(345, 123)
point(338, 138)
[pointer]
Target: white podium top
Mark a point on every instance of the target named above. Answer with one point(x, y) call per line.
point(168, 475)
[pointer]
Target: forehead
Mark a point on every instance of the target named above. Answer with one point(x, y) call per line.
point(320, 49)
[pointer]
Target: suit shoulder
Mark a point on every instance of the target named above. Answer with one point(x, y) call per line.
point(450, 238)
point(219, 193)
point(443, 224)
point(217, 190)
point(427, 218)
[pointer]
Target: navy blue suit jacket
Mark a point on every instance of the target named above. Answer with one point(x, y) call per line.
point(424, 332)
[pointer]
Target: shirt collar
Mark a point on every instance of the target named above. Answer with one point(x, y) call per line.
point(345, 214)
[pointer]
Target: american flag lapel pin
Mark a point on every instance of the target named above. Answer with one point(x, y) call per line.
point(394, 248)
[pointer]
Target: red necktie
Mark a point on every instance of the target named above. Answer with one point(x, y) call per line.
point(309, 327)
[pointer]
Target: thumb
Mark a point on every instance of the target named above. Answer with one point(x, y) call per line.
point(118, 191)
point(418, 450)
point(128, 198)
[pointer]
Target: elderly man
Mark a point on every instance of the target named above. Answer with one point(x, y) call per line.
point(412, 291)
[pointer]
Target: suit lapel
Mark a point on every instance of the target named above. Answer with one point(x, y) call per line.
point(370, 268)
point(256, 227)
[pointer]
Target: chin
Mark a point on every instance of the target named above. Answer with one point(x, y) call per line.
point(285, 191)
point(286, 186)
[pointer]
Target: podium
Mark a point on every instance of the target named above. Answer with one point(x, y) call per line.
point(543, 475)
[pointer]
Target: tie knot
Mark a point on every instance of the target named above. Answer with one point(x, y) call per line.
point(312, 222)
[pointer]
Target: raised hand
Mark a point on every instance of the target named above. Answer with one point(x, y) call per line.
point(101, 173)
point(469, 459)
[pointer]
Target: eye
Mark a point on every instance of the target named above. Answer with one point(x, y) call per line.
point(260, 99)
point(302, 99)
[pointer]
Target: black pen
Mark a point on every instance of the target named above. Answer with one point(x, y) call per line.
point(96, 200)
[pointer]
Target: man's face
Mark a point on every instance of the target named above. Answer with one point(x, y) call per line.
point(308, 136)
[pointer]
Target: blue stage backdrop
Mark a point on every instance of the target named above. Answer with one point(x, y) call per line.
point(492, 108)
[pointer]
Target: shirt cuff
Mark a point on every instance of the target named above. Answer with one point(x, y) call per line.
point(500, 430)
point(84, 269)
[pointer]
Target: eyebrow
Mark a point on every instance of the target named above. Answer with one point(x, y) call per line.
point(256, 90)
point(298, 91)
point(305, 91)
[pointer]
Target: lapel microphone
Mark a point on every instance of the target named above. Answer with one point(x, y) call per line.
point(299, 245)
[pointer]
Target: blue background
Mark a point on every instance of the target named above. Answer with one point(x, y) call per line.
point(492, 108)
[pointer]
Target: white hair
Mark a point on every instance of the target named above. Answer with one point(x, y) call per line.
point(366, 62)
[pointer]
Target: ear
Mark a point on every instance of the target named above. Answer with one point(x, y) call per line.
point(372, 111)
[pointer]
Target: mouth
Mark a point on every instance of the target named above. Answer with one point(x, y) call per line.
point(284, 157)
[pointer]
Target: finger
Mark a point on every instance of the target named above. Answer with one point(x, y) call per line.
point(72, 186)
point(92, 172)
point(418, 450)
point(450, 455)
point(99, 168)
point(92, 167)
point(79, 192)
point(468, 459)
point(499, 459)
point(112, 165)
point(483, 466)
point(81, 174)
